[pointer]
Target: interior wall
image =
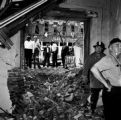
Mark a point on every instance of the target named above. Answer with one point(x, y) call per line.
point(108, 23)
point(8, 59)
point(115, 16)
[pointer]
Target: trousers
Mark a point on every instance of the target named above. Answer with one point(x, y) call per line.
point(94, 97)
point(112, 103)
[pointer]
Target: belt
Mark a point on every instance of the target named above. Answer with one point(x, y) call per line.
point(108, 82)
point(116, 86)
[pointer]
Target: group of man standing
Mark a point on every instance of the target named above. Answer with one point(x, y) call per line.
point(53, 50)
point(48, 51)
point(33, 49)
point(103, 72)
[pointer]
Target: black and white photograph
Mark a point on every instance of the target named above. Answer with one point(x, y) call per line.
point(60, 59)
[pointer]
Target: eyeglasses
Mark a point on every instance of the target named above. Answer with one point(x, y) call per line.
point(117, 45)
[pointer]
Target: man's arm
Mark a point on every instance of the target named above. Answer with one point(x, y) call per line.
point(100, 77)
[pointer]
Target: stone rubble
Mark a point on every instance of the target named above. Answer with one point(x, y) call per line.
point(49, 94)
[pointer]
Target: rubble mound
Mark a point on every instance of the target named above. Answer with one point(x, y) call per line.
point(49, 94)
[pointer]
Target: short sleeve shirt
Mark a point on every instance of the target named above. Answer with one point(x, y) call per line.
point(110, 70)
point(54, 47)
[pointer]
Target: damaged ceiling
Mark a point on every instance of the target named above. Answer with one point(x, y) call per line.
point(16, 14)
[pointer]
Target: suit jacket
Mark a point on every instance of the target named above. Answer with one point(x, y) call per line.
point(46, 51)
point(64, 51)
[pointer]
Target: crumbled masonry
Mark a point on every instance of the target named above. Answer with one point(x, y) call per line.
point(49, 94)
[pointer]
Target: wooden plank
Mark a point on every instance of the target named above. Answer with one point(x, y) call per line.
point(4, 42)
point(3, 34)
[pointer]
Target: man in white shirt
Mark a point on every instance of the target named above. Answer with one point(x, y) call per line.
point(108, 72)
point(54, 49)
point(28, 45)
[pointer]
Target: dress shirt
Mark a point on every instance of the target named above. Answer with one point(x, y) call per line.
point(54, 47)
point(28, 44)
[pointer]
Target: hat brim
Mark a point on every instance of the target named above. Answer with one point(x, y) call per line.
point(100, 46)
point(96, 45)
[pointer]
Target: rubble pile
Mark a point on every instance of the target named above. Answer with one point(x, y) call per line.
point(48, 94)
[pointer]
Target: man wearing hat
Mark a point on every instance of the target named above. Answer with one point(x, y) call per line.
point(108, 72)
point(95, 85)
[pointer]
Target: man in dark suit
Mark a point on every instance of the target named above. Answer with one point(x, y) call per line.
point(46, 53)
point(64, 52)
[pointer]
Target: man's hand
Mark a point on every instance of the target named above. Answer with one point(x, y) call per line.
point(108, 86)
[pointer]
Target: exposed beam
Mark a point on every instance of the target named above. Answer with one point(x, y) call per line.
point(16, 22)
point(65, 13)
point(69, 10)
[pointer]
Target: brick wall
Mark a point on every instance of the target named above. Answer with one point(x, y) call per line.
point(15, 83)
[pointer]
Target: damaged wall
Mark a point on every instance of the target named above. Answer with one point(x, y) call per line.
point(8, 60)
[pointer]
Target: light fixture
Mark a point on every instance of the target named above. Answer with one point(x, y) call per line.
point(27, 25)
point(92, 14)
point(16, 0)
point(2, 45)
point(54, 25)
point(72, 34)
point(46, 34)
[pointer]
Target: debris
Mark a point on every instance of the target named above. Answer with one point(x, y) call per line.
point(48, 94)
